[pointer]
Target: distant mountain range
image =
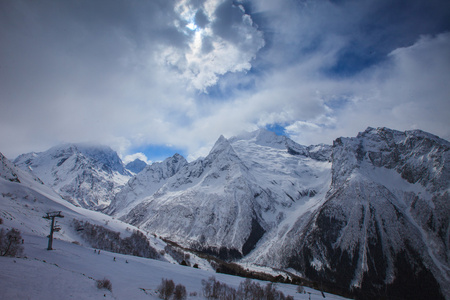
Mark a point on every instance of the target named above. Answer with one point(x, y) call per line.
point(368, 215)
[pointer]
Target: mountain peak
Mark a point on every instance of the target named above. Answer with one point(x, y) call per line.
point(418, 156)
point(136, 165)
point(262, 137)
point(268, 138)
point(175, 162)
point(178, 156)
point(221, 144)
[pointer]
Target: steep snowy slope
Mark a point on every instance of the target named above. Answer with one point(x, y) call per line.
point(10, 172)
point(383, 229)
point(225, 203)
point(85, 175)
point(146, 183)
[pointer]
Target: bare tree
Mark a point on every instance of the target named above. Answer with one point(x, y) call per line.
point(180, 292)
point(10, 243)
point(166, 288)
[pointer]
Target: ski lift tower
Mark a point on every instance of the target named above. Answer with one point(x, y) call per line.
point(52, 216)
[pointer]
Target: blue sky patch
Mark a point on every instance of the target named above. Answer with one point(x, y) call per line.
point(156, 153)
point(278, 129)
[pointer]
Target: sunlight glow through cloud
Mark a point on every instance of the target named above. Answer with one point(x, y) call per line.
point(192, 26)
point(184, 72)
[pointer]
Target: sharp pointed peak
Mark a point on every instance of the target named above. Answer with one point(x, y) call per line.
point(221, 145)
point(221, 141)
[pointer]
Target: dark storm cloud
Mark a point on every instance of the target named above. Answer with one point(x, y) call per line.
point(140, 19)
point(234, 25)
point(50, 39)
point(386, 26)
point(362, 33)
point(228, 17)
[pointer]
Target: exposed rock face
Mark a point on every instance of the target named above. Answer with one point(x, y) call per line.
point(7, 170)
point(383, 229)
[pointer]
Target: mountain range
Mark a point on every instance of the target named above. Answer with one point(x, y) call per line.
point(368, 215)
point(85, 175)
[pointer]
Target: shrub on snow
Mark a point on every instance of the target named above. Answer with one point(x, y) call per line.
point(104, 284)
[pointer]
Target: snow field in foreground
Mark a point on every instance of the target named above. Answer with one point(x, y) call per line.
point(70, 272)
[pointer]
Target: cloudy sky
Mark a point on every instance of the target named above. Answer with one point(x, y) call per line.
point(160, 76)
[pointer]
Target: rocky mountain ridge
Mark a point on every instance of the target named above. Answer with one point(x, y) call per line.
point(382, 230)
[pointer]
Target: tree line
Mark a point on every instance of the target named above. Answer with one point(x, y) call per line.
point(104, 239)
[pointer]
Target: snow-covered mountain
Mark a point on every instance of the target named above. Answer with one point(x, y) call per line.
point(136, 166)
point(25, 200)
point(72, 269)
point(383, 228)
point(224, 203)
point(369, 214)
point(83, 174)
point(146, 183)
